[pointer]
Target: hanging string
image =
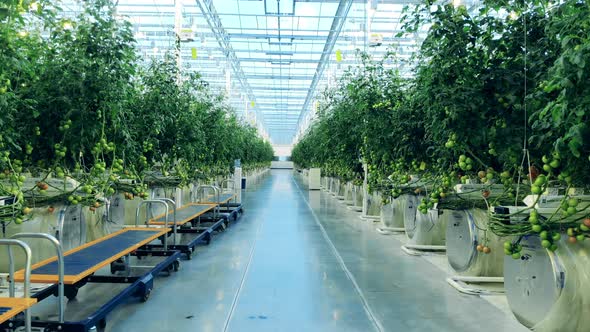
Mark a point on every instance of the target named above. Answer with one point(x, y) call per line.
point(526, 156)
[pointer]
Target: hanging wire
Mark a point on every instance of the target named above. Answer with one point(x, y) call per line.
point(526, 156)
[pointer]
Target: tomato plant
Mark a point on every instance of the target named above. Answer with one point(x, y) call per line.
point(83, 116)
point(497, 97)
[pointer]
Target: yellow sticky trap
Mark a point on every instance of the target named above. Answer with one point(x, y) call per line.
point(252, 103)
point(194, 52)
point(338, 55)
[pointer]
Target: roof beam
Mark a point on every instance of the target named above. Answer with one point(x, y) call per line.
point(271, 88)
point(208, 10)
point(337, 23)
point(279, 77)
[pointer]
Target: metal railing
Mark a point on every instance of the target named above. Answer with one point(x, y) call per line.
point(27, 282)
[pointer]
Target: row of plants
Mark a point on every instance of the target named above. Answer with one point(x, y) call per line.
point(497, 98)
point(81, 116)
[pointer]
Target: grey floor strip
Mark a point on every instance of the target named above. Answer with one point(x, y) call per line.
point(366, 306)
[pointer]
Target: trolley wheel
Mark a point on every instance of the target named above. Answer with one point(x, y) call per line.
point(146, 295)
point(176, 265)
point(70, 292)
point(118, 265)
point(102, 325)
point(189, 255)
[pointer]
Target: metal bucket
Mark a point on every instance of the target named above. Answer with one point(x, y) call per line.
point(392, 214)
point(548, 291)
point(466, 230)
point(422, 229)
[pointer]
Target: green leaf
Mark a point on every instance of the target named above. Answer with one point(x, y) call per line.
point(574, 146)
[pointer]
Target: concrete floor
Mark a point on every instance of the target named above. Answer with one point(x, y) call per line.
point(300, 261)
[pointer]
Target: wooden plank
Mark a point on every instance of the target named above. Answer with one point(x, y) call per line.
point(17, 306)
point(72, 279)
point(213, 199)
point(184, 221)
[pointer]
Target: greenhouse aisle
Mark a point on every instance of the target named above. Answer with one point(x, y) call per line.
point(299, 261)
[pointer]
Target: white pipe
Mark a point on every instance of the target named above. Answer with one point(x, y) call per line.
point(370, 218)
point(390, 230)
point(479, 279)
point(426, 247)
point(463, 288)
point(419, 250)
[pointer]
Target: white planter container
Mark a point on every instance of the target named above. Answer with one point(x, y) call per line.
point(341, 190)
point(392, 215)
point(548, 291)
point(465, 230)
point(313, 178)
point(374, 203)
point(422, 229)
point(357, 198)
point(335, 187)
point(348, 194)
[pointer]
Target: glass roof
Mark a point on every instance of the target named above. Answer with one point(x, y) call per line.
point(270, 57)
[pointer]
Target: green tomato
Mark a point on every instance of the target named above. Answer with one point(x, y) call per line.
point(537, 228)
point(545, 243)
point(516, 255)
point(535, 189)
point(533, 219)
point(547, 168)
point(544, 235)
point(564, 205)
point(508, 252)
point(540, 181)
point(580, 237)
point(507, 245)
point(570, 232)
point(572, 202)
point(571, 210)
point(554, 163)
point(553, 247)
point(584, 228)
point(556, 237)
